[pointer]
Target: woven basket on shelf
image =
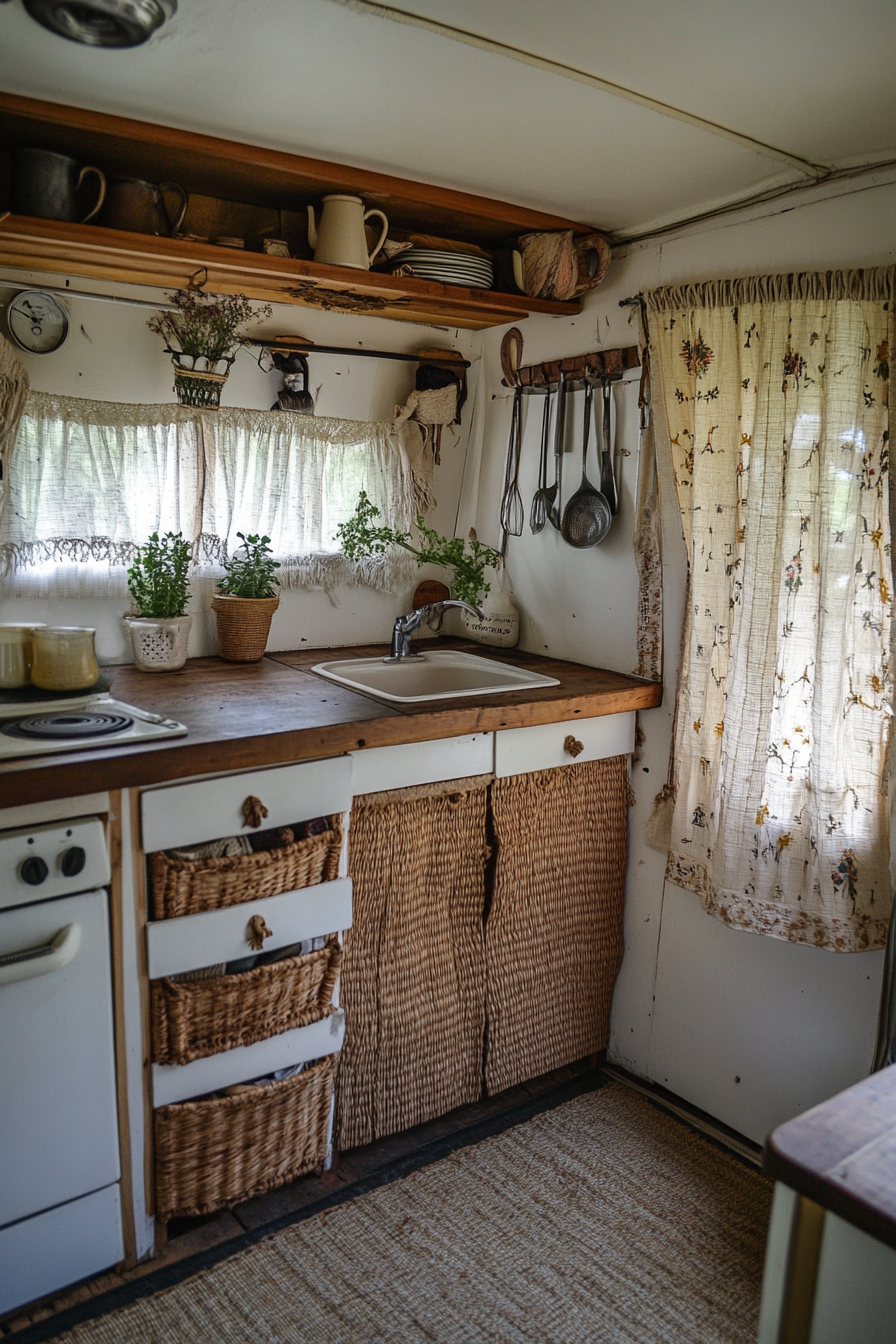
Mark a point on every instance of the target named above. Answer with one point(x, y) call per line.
point(196, 1018)
point(244, 624)
point(187, 886)
point(214, 1153)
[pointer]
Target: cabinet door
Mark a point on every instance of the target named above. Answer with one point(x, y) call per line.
point(413, 983)
point(553, 937)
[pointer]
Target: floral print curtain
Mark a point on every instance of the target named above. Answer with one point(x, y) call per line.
point(775, 396)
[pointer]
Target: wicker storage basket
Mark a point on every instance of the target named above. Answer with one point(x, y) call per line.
point(187, 886)
point(244, 624)
point(214, 1153)
point(203, 1017)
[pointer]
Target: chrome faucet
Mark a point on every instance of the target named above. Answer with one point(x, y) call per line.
point(405, 626)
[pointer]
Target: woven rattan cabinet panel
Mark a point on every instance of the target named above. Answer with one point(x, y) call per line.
point(413, 982)
point(554, 931)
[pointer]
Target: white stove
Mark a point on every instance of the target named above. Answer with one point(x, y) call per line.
point(43, 727)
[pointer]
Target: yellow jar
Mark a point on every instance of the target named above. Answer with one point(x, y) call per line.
point(15, 655)
point(64, 658)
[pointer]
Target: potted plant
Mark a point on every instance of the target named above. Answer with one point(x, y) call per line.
point(467, 558)
point(246, 599)
point(158, 584)
point(203, 331)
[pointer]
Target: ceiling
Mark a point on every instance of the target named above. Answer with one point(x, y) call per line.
point(772, 93)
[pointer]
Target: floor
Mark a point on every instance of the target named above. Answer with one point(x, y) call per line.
point(197, 1243)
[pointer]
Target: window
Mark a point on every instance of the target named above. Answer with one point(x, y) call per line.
point(87, 482)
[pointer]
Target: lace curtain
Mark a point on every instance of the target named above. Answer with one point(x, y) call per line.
point(88, 481)
point(775, 396)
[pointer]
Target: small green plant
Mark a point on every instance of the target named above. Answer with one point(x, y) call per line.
point(157, 580)
point(466, 557)
point(250, 570)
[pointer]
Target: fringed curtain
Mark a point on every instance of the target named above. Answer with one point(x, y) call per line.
point(88, 481)
point(775, 396)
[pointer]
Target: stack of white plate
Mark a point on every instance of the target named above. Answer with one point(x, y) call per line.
point(449, 268)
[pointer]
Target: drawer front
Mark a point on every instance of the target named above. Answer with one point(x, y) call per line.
point(519, 750)
point(59, 1247)
point(185, 814)
point(179, 1082)
point(184, 944)
point(382, 768)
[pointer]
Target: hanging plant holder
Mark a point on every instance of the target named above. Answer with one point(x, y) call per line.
point(198, 387)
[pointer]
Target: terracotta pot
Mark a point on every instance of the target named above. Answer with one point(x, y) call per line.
point(244, 624)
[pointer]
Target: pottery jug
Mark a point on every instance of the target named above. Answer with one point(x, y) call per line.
point(45, 185)
point(340, 240)
point(140, 207)
point(501, 624)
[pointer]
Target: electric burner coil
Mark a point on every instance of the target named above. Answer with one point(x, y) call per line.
point(64, 727)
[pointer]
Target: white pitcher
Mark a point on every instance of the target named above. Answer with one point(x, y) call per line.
point(341, 240)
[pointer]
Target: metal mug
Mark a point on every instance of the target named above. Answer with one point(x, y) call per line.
point(140, 207)
point(45, 185)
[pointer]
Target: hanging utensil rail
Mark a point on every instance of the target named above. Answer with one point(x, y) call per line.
point(599, 364)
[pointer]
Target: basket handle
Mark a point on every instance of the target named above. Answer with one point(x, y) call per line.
point(254, 812)
point(256, 932)
point(572, 746)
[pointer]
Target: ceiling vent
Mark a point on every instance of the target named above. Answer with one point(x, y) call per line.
point(102, 23)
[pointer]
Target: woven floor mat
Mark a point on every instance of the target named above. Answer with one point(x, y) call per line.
point(604, 1220)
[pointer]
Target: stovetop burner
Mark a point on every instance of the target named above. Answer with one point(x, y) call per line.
point(65, 725)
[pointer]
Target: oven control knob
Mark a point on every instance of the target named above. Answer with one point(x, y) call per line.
point(73, 861)
point(33, 871)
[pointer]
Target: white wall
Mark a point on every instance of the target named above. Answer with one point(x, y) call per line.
point(749, 1029)
point(111, 355)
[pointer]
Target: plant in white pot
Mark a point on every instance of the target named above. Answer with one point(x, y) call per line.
point(246, 600)
point(158, 583)
point(466, 558)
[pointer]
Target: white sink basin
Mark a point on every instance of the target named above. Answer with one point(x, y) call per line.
point(436, 676)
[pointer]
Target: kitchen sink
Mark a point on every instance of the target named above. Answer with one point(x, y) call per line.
point(434, 676)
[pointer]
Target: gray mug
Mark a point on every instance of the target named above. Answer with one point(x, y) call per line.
point(45, 185)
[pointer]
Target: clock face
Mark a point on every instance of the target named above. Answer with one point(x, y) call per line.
point(37, 322)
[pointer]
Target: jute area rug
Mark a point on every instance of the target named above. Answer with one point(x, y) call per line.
point(602, 1220)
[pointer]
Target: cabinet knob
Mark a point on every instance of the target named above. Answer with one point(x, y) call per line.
point(572, 746)
point(33, 870)
point(254, 812)
point(257, 932)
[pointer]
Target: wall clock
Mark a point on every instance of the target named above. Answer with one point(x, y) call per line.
point(37, 322)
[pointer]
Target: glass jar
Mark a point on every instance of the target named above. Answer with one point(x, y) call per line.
point(16, 655)
point(64, 658)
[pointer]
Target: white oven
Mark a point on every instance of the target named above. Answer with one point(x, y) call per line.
point(60, 1216)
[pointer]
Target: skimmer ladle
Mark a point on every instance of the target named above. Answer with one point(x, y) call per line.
point(587, 517)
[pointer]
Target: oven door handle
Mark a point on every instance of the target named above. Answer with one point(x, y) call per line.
point(41, 960)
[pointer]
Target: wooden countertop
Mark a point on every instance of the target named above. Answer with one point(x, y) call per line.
point(242, 716)
point(842, 1154)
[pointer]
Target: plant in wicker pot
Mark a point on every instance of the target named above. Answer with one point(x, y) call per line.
point(158, 584)
point(202, 332)
point(246, 600)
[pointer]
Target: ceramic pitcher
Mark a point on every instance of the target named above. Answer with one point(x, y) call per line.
point(45, 185)
point(340, 240)
point(140, 207)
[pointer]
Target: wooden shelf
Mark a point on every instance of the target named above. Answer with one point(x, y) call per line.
point(228, 170)
point(171, 263)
